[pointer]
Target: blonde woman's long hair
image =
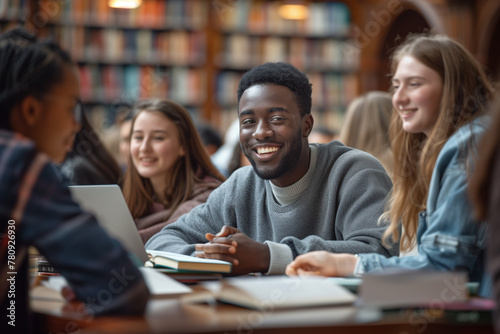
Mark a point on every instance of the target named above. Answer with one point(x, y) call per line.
point(189, 169)
point(466, 93)
point(366, 126)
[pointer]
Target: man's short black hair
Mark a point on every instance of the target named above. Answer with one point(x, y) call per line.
point(281, 74)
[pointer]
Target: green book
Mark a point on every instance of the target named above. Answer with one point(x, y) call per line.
point(186, 263)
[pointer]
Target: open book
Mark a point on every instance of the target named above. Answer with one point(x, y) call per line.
point(186, 263)
point(267, 293)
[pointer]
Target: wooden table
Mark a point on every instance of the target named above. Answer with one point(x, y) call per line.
point(176, 315)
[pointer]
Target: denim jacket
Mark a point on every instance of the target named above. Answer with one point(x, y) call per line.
point(448, 237)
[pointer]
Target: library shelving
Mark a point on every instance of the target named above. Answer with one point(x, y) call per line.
point(195, 51)
point(156, 50)
point(253, 33)
point(12, 13)
point(190, 52)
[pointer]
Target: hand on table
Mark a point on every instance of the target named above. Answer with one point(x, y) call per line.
point(232, 245)
point(68, 294)
point(322, 263)
point(73, 304)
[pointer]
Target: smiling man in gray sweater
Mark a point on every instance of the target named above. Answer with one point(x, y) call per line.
point(297, 197)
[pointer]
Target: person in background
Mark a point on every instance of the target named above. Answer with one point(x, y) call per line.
point(222, 158)
point(111, 130)
point(39, 118)
point(210, 137)
point(237, 160)
point(440, 94)
point(322, 135)
point(124, 146)
point(366, 126)
point(484, 191)
point(295, 197)
point(89, 162)
point(170, 171)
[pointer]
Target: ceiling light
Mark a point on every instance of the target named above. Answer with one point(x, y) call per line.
point(293, 11)
point(127, 4)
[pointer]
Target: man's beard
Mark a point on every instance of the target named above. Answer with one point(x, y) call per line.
point(285, 165)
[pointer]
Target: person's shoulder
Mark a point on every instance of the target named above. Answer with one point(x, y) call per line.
point(242, 178)
point(340, 163)
point(336, 152)
point(465, 134)
point(474, 128)
point(462, 145)
point(16, 147)
point(20, 156)
point(335, 148)
point(211, 180)
point(334, 145)
point(207, 184)
point(24, 167)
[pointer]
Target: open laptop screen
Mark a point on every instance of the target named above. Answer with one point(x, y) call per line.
point(107, 203)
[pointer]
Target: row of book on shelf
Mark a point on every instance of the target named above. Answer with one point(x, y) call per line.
point(187, 85)
point(139, 45)
point(240, 50)
point(261, 16)
point(189, 48)
point(154, 14)
point(13, 9)
point(253, 16)
point(112, 84)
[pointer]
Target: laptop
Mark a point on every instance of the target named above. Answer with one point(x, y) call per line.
point(107, 203)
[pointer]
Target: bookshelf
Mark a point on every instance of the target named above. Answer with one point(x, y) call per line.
point(156, 50)
point(12, 13)
point(251, 33)
point(195, 51)
point(192, 52)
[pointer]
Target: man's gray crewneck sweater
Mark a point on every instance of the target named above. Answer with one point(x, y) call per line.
point(337, 212)
point(288, 195)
